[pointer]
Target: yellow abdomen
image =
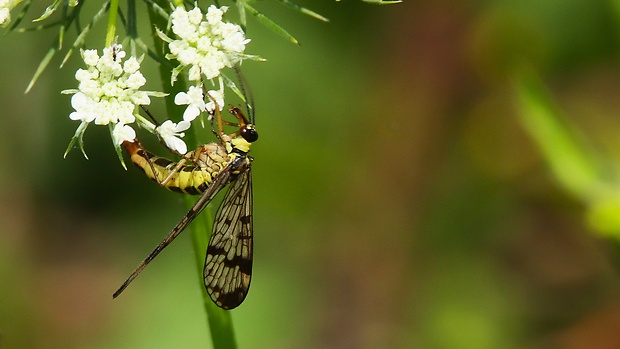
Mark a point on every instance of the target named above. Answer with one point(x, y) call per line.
point(193, 175)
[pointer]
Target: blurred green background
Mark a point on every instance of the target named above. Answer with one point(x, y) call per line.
point(430, 174)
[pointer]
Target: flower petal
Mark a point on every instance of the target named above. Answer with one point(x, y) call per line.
point(123, 133)
point(182, 126)
point(191, 112)
point(181, 98)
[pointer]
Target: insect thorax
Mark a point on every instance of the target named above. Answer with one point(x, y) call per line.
point(209, 160)
point(211, 157)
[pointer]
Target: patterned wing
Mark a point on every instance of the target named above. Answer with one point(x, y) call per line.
point(228, 266)
point(218, 183)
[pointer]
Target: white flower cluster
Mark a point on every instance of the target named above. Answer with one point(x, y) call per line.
point(205, 43)
point(5, 11)
point(108, 92)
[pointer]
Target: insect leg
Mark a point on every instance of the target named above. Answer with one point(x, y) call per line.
point(139, 156)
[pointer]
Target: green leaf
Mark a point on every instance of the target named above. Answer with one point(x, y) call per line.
point(253, 57)
point(145, 124)
point(577, 168)
point(242, 15)
point(62, 29)
point(44, 63)
point(569, 161)
point(151, 53)
point(175, 74)
point(303, 10)
point(55, 47)
point(163, 35)
point(49, 10)
point(79, 41)
point(77, 137)
point(269, 23)
point(111, 27)
point(117, 147)
point(20, 16)
point(233, 87)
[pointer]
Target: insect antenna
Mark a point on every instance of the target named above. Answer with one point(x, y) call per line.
point(157, 124)
point(247, 94)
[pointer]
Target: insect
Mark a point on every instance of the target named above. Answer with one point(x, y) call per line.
point(205, 171)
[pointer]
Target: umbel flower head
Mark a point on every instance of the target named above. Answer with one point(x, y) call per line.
point(205, 43)
point(108, 93)
point(5, 11)
point(109, 87)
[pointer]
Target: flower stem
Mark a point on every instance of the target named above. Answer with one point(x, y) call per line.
point(220, 321)
point(111, 32)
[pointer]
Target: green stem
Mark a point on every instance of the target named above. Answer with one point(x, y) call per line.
point(571, 163)
point(219, 320)
point(111, 32)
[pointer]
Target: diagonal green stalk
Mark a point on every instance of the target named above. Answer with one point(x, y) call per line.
point(219, 320)
point(572, 164)
point(576, 167)
point(111, 30)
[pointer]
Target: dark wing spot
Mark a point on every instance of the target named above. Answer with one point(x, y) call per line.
point(245, 219)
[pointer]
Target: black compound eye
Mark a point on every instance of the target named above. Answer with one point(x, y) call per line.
point(249, 133)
